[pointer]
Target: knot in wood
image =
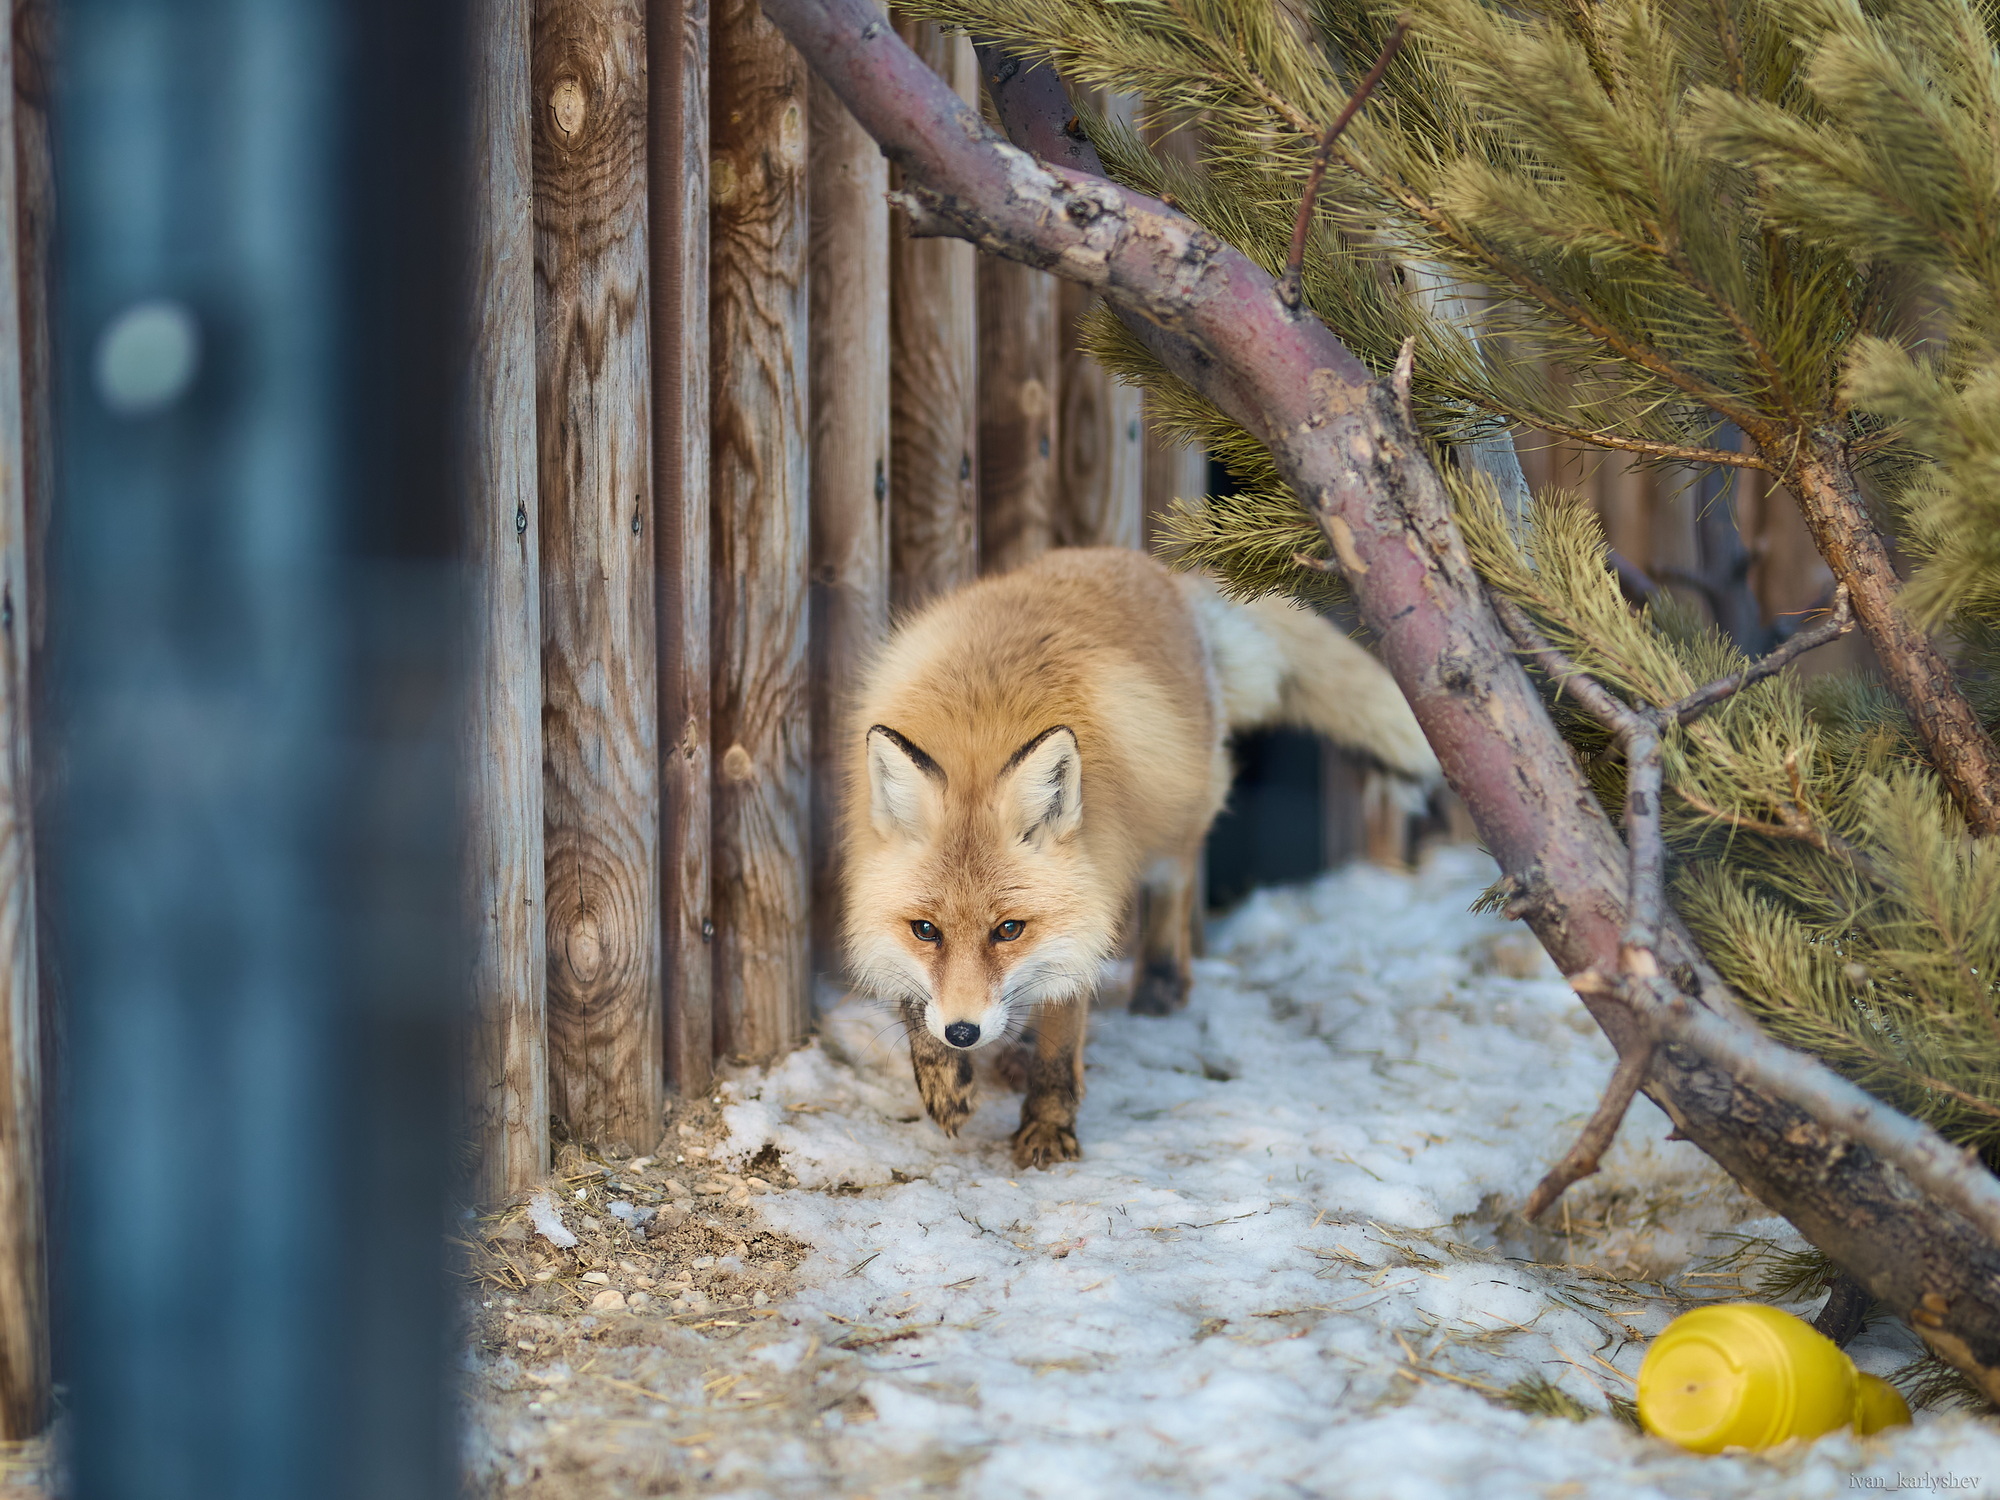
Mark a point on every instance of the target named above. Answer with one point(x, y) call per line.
point(736, 764)
point(567, 107)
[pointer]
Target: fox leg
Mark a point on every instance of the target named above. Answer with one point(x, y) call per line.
point(1166, 939)
point(944, 1074)
point(1055, 1086)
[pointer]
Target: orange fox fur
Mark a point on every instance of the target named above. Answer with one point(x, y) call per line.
point(1027, 752)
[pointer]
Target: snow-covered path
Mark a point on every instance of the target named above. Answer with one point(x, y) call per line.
point(1282, 1268)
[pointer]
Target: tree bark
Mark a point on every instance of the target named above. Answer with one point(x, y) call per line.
point(677, 41)
point(760, 480)
point(1959, 746)
point(600, 668)
point(507, 1081)
point(850, 463)
point(934, 374)
point(1349, 447)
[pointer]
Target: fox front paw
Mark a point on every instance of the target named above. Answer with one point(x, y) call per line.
point(1043, 1143)
point(1162, 988)
point(945, 1085)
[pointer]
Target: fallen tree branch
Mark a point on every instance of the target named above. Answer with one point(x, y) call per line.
point(1585, 1157)
point(1911, 1218)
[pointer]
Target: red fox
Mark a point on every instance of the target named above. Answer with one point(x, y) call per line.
point(1028, 751)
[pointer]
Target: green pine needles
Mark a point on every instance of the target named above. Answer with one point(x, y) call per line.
point(1782, 215)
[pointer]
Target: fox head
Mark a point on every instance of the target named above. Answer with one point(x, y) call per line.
point(970, 903)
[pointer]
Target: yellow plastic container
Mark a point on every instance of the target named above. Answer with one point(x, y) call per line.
point(1745, 1376)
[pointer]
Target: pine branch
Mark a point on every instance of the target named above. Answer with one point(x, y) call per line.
point(1664, 1013)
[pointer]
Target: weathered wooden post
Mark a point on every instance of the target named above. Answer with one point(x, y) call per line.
point(507, 1079)
point(934, 368)
point(1101, 489)
point(24, 1313)
point(849, 335)
point(600, 678)
point(1020, 365)
point(760, 479)
point(677, 47)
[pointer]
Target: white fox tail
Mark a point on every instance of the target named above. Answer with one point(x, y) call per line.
point(1276, 663)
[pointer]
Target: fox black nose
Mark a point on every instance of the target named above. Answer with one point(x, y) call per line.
point(961, 1033)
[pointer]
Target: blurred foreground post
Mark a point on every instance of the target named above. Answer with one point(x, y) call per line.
point(255, 611)
point(24, 1342)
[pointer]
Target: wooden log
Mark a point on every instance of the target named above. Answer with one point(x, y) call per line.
point(24, 1327)
point(933, 370)
point(1019, 368)
point(507, 1074)
point(760, 480)
point(1101, 489)
point(599, 657)
point(677, 48)
point(849, 338)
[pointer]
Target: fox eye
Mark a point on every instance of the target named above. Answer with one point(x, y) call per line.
point(926, 931)
point(1007, 931)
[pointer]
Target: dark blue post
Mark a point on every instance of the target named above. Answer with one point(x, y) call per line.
point(253, 607)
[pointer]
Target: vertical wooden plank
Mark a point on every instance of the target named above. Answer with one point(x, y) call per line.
point(934, 365)
point(1169, 471)
point(507, 1080)
point(24, 1338)
point(599, 657)
point(1019, 368)
point(849, 337)
point(1101, 487)
point(677, 46)
point(760, 479)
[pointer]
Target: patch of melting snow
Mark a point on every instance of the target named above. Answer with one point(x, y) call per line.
point(1281, 1266)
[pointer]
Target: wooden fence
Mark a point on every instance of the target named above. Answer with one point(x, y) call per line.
point(728, 421)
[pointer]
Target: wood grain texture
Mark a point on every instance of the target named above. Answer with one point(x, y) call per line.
point(599, 659)
point(1020, 365)
point(677, 63)
point(24, 1328)
point(760, 480)
point(849, 335)
point(1101, 496)
point(934, 374)
point(507, 1075)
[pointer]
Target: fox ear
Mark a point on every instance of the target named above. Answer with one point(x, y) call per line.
point(905, 786)
point(1042, 785)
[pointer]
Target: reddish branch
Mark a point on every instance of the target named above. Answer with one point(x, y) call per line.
point(1295, 257)
point(1958, 745)
point(1888, 1199)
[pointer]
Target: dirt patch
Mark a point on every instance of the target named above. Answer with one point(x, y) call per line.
point(655, 1356)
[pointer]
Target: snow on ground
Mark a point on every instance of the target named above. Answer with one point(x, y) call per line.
point(1284, 1266)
